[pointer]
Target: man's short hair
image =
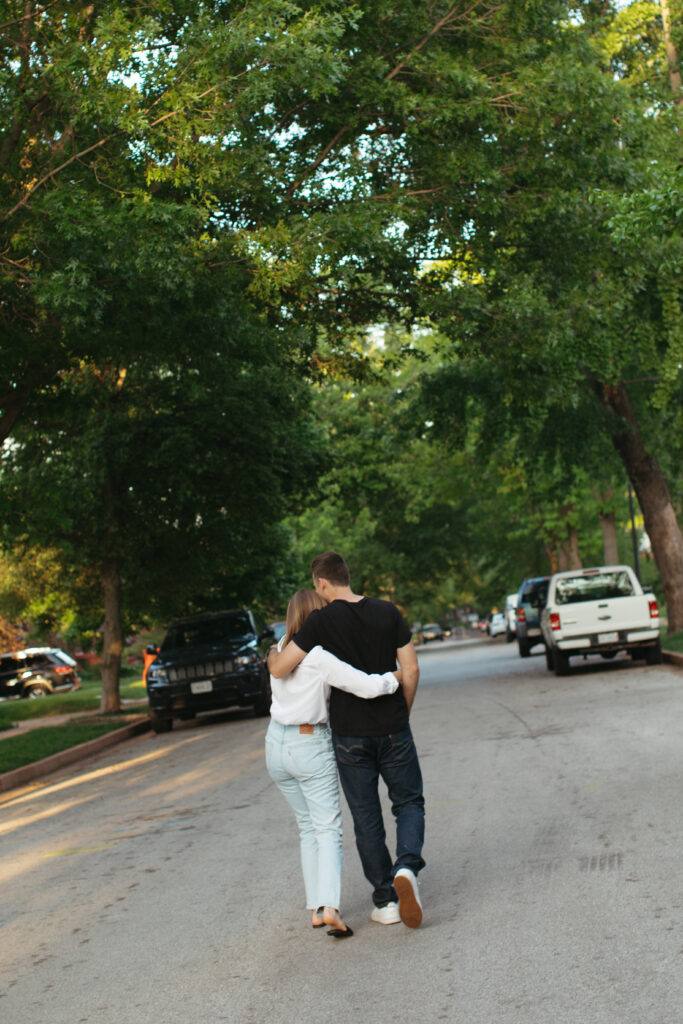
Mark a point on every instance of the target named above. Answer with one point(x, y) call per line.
point(331, 566)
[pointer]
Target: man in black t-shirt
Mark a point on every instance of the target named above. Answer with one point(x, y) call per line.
point(371, 738)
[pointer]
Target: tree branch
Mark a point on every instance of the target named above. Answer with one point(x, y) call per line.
point(319, 159)
point(91, 149)
point(442, 23)
point(447, 19)
point(46, 177)
point(28, 16)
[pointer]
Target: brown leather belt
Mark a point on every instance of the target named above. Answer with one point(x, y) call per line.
point(307, 730)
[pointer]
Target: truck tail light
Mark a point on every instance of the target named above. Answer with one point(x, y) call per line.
point(554, 620)
point(654, 608)
point(62, 670)
point(521, 617)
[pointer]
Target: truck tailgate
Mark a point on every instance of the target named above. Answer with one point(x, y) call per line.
point(618, 613)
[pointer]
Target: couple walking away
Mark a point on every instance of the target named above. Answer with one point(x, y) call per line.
point(336, 696)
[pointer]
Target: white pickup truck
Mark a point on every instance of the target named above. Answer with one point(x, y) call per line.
point(599, 611)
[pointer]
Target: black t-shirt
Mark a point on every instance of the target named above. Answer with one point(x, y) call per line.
point(366, 634)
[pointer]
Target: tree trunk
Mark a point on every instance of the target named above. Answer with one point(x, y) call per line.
point(563, 558)
point(570, 558)
point(654, 498)
point(671, 56)
point(575, 560)
point(112, 639)
point(610, 548)
point(608, 524)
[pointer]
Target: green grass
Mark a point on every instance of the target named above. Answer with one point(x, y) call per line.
point(17, 751)
point(674, 642)
point(33, 744)
point(85, 699)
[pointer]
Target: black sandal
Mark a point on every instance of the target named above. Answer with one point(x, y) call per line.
point(340, 933)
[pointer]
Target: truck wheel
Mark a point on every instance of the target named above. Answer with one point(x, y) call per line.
point(160, 724)
point(653, 655)
point(524, 648)
point(549, 659)
point(561, 663)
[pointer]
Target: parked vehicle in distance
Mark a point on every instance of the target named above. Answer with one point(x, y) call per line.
point(432, 631)
point(37, 672)
point(511, 617)
point(498, 624)
point(599, 611)
point(531, 598)
point(279, 629)
point(208, 662)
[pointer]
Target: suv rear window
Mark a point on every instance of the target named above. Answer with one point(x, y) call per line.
point(219, 630)
point(535, 593)
point(60, 658)
point(596, 587)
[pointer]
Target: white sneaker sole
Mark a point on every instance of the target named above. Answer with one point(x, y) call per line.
point(409, 908)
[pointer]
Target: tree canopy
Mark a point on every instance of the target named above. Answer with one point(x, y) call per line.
point(205, 205)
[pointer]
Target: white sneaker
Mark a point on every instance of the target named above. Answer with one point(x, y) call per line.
point(409, 906)
point(387, 914)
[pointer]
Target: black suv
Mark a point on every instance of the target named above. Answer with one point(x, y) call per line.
point(205, 663)
point(37, 671)
point(531, 599)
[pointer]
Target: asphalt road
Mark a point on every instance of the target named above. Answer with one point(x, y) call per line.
point(159, 883)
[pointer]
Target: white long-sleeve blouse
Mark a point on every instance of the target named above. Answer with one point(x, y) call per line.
point(303, 696)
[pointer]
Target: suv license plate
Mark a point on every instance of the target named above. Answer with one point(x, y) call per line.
point(202, 686)
point(607, 638)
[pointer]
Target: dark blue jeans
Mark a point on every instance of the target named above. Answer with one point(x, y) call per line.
point(361, 761)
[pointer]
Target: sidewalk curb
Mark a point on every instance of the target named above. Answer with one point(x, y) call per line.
point(20, 776)
point(673, 657)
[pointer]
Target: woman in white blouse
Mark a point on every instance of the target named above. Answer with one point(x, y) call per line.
point(300, 759)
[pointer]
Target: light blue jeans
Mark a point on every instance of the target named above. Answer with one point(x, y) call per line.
point(304, 769)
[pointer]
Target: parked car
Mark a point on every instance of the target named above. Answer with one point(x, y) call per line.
point(511, 617)
point(279, 629)
point(208, 662)
point(497, 625)
point(602, 611)
point(432, 631)
point(37, 672)
point(531, 598)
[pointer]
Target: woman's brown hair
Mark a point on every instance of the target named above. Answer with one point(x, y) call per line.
point(299, 608)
